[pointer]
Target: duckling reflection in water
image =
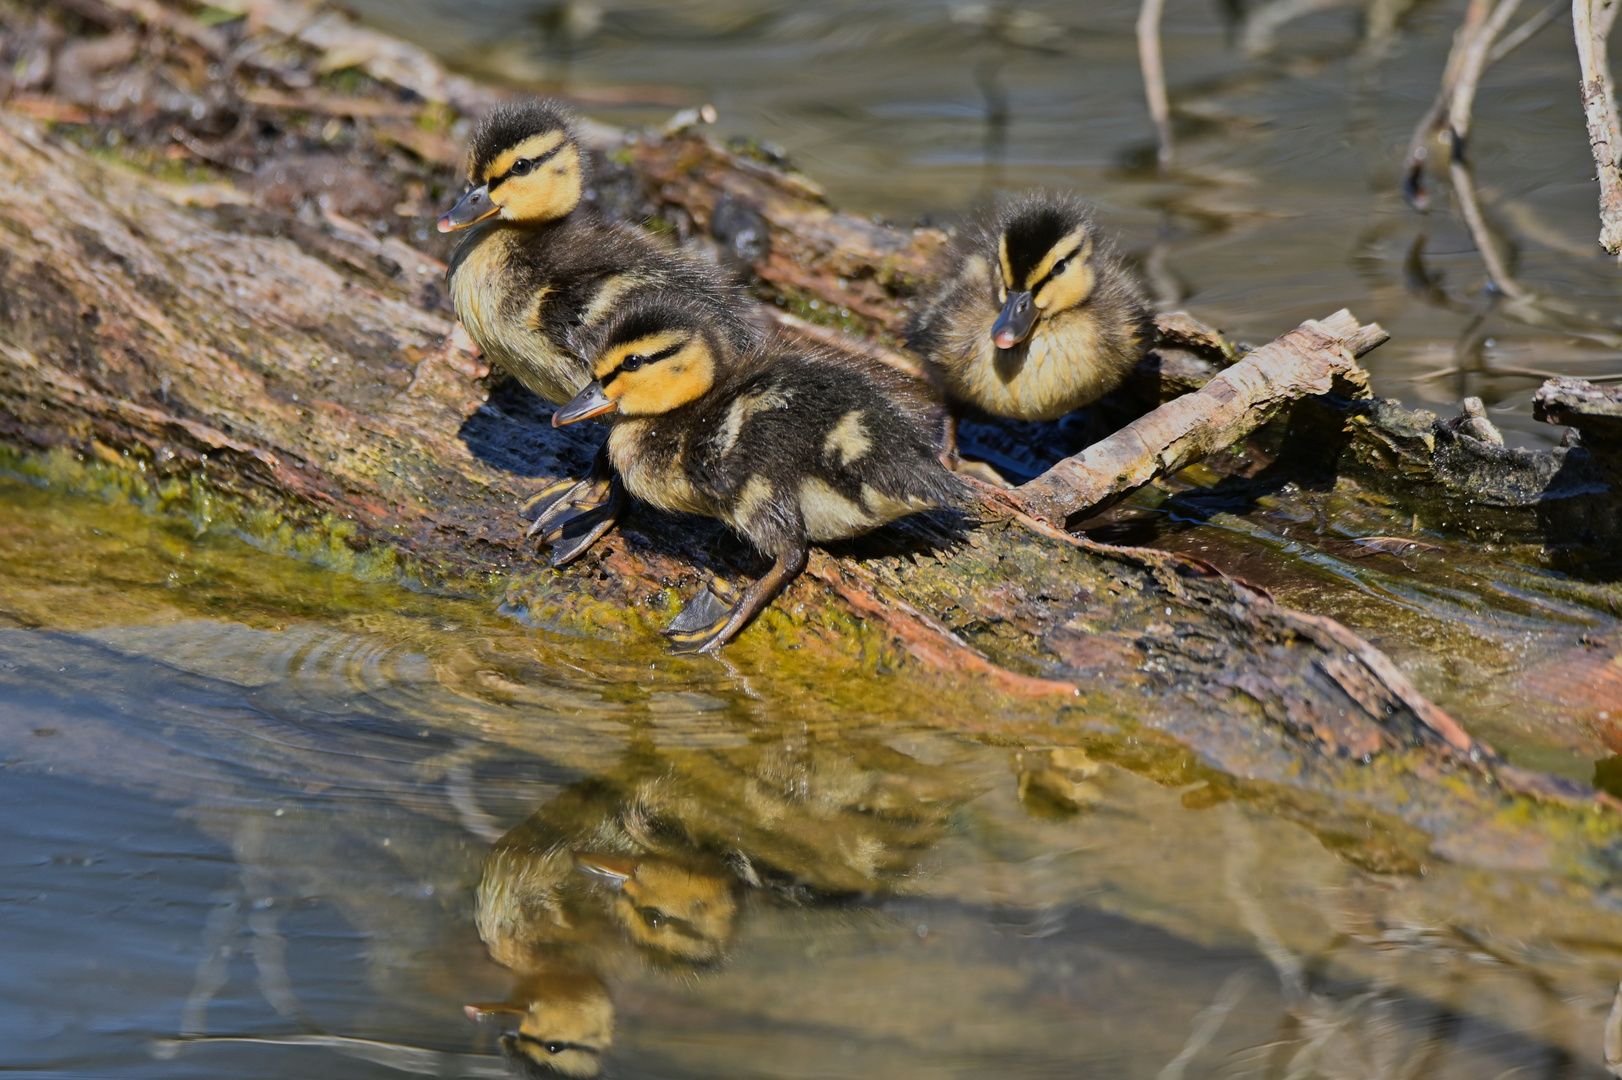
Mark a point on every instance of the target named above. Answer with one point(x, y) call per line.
point(678, 911)
point(566, 1021)
point(539, 266)
point(1036, 317)
point(786, 444)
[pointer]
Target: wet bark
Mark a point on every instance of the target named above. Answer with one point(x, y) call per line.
point(282, 373)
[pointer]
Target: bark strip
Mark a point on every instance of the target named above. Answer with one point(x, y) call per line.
point(1303, 363)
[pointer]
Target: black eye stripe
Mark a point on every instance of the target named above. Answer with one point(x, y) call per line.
point(534, 163)
point(555, 1046)
point(1058, 267)
point(643, 361)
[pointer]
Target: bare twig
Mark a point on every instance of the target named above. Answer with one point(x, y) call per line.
point(1154, 75)
point(1263, 24)
point(1472, 62)
point(1464, 185)
point(1413, 182)
point(1591, 23)
point(1526, 31)
point(1303, 363)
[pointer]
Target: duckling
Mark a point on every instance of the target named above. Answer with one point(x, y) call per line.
point(1037, 318)
point(539, 266)
point(786, 444)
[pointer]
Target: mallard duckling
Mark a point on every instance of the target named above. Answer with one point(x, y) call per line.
point(786, 444)
point(540, 266)
point(1038, 316)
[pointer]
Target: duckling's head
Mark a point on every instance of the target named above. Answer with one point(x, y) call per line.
point(657, 353)
point(1045, 246)
point(565, 1023)
point(682, 912)
point(523, 164)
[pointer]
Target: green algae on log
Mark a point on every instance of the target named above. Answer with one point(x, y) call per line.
point(195, 362)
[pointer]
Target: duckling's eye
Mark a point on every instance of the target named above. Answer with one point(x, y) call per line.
point(521, 167)
point(652, 918)
point(554, 1047)
point(1058, 267)
point(633, 362)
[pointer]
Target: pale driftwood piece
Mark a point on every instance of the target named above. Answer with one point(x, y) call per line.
point(1303, 363)
point(1154, 76)
point(1591, 23)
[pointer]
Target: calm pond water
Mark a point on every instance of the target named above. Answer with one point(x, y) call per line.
point(263, 820)
point(256, 823)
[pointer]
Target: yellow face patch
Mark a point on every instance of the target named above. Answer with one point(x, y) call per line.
point(547, 191)
point(532, 147)
point(1007, 281)
point(1072, 284)
point(657, 373)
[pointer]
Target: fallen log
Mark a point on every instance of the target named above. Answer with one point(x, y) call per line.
point(271, 371)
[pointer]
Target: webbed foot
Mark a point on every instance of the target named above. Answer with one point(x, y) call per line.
point(577, 517)
point(979, 470)
point(707, 623)
point(696, 628)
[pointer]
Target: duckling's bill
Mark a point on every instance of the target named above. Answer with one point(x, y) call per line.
point(1015, 321)
point(588, 403)
point(470, 209)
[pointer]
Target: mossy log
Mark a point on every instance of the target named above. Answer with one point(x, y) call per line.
point(289, 379)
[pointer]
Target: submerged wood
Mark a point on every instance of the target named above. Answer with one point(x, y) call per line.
point(285, 378)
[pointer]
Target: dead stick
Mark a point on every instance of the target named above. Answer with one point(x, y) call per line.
point(1413, 181)
point(1302, 363)
point(1591, 23)
point(1154, 75)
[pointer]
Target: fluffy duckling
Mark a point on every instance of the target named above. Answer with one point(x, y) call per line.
point(787, 445)
point(539, 267)
point(1038, 317)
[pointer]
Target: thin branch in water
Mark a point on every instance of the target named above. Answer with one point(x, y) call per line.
point(1208, 1022)
point(1473, 61)
point(1464, 185)
point(1527, 31)
point(1261, 28)
point(1154, 76)
point(1431, 124)
point(1591, 23)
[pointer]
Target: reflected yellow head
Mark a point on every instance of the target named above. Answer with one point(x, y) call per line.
point(682, 913)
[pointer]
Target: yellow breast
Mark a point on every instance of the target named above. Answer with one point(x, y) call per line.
point(655, 478)
point(1067, 364)
point(509, 333)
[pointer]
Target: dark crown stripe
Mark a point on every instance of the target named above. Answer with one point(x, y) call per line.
point(538, 159)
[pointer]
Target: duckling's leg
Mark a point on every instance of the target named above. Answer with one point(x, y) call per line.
point(977, 469)
point(714, 634)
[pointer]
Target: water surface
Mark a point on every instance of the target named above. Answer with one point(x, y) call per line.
point(249, 804)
